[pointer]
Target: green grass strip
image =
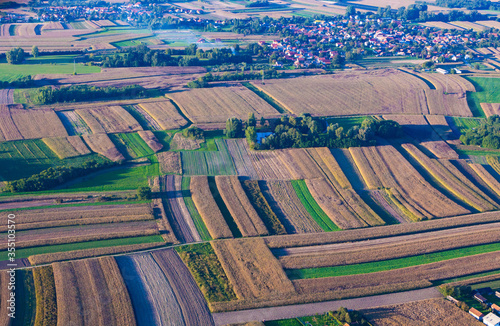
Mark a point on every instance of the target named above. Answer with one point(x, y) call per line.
point(26, 252)
point(271, 101)
point(136, 144)
point(386, 265)
point(198, 221)
point(312, 206)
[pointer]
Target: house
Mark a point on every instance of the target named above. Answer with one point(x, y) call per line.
point(495, 308)
point(480, 298)
point(476, 314)
point(491, 320)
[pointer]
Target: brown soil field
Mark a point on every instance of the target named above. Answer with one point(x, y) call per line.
point(208, 209)
point(296, 240)
point(191, 301)
point(165, 114)
point(490, 109)
point(179, 142)
point(101, 144)
point(242, 211)
point(329, 166)
point(284, 202)
point(252, 269)
point(238, 149)
point(88, 253)
point(92, 292)
point(153, 298)
point(37, 123)
point(420, 313)
point(382, 252)
point(164, 225)
point(170, 162)
point(111, 119)
point(151, 140)
point(67, 147)
point(453, 180)
point(385, 167)
point(89, 119)
point(8, 128)
point(356, 92)
point(269, 166)
point(52, 25)
point(300, 164)
point(212, 105)
point(486, 176)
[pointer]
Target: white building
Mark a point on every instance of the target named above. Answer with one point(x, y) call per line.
point(491, 320)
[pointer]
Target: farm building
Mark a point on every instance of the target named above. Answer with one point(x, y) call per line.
point(497, 293)
point(480, 298)
point(452, 299)
point(495, 308)
point(476, 313)
point(491, 320)
point(442, 71)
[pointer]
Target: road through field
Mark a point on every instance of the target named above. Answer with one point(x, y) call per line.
point(6, 96)
point(299, 310)
point(389, 240)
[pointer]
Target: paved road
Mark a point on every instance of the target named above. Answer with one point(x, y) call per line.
point(389, 240)
point(322, 307)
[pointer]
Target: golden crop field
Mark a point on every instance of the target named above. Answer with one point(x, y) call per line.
point(34, 124)
point(67, 147)
point(150, 139)
point(109, 119)
point(101, 144)
point(217, 104)
point(164, 113)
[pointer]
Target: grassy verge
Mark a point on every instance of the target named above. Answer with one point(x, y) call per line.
point(378, 266)
point(198, 221)
point(26, 252)
point(273, 224)
point(265, 97)
point(222, 206)
point(207, 271)
point(312, 206)
point(486, 92)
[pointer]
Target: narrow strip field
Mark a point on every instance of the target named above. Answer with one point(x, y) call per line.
point(161, 115)
point(193, 212)
point(242, 161)
point(110, 119)
point(131, 144)
point(45, 289)
point(101, 144)
point(73, 123)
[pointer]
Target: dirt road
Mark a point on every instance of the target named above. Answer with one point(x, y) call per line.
point(6, 96)
point(322, 307)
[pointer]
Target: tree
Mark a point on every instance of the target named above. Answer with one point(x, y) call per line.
point(15, 56)
point(350, 11)
point(34, 51)
point(234, 128)
point(144, 193)
point(252, 122)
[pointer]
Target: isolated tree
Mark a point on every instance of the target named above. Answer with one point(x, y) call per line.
point(144, 193)
point(15, 56)
point(34, 51)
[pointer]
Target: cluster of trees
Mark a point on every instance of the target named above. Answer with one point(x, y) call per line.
point(55, 176)
point(142, 56)
point(144, 193)
point(306, 131)
point(486, 135)
point(15, 56)
point(457, 292)
point(193, 133)
point(469, 4)
point(20, 82)
point(227, 76)
point(350, 317)
point(77, 93)
point(258, 3)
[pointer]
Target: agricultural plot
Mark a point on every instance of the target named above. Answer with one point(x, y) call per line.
point(92, 292)
point(37, 123)
point(487, 177)
point(208, 208)
point(164, 225)
point(238, 150)
point(67, 147)
point(287, 206)
point(45, 289)
point(151, 140)
point(253, 271)
point(73, 123)
point(490, 109)
point(179, 143)
point(161, 115)
point(8, 128)
point(216, 105)
point(269, 166)
point(152, 296)
point(300, 164)
point(195, 215)
point(453, 180)
point(208, 162)
point(356, 92)
point(132, 144)
point(101, 144)
point(383, 167)
point(242, 211)
point(109, 119)
point(170, 162)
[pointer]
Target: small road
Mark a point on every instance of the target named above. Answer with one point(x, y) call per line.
point(6, 96)
point(381, 241)
point(322, 307)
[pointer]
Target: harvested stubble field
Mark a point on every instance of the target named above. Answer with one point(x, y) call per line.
point(8, 128)
point(109, 119)
point(254, 272)
point(164, 225)
point(453, 180)
point(381, 252)
point(208, 208)
point(67, 147)
point(73, 123)
point(92, 292)
point(150, 140)
point(300, 164)
point(384, 167)
point(45, 289)
point(195, 215)
point(269, 166)
point(289, 241)
point(242, 211)
point(490, 109)
point(216, 105)
point(238, 149)
point(152, 296)
point(421, 313)
point(356, 92)
point(164, 114)
point(101, 144)
point(287, 206)
point(33, 124)
point(330, 167)
point(191, 301)
point(170, 162)
point(487, 177)
point(179, 142)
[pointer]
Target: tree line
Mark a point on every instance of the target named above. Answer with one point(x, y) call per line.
point(204, 81)
point(77, 93)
